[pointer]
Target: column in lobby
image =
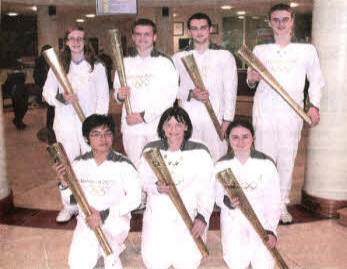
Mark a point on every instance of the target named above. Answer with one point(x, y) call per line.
point(6, 197)
point(164, 21)
point(325, 188)
point(47, 27)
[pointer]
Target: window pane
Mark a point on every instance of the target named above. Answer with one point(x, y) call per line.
point(232, 36)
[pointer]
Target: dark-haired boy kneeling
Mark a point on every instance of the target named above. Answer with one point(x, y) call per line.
point(111, 186)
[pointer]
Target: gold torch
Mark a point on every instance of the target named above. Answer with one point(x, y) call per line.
point(157, 164)
point(253, 61)
point(58, 153)
point(193, 71)
point(233, 188)
point(118, 57)
point(53, 61)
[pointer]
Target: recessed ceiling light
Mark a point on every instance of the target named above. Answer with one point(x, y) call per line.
point(80, 20)
point(255, 17)
point(226, 7)
point(293, 4)
point(34, 8)
point(241, 17)
point(91, 15)
point(12, 14)
point(241, 12)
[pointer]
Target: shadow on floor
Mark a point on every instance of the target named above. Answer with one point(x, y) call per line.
point(38, 218)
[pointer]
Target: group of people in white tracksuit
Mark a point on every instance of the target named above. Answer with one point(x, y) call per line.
point(260, 155)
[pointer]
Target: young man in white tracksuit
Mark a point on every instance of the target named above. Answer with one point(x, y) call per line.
point(152, 87)
point(112, 189)
point(219, 73)
point(89, 82)
point(277, 126)
point(257, 175)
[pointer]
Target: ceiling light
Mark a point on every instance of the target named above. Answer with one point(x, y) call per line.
point(175, 14)
point(241, 17)
point(293, 4)
point(12, 14)
point(80, 20)
point(241, 12)
point(226, 7)
point(91, 15)
point(34, 8)
point(255, 18)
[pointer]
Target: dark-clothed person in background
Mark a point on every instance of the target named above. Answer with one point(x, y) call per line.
point(15, 87)
point(40, 75)
point(107, 60)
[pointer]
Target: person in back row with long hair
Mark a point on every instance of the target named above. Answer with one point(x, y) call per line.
point(89, 82)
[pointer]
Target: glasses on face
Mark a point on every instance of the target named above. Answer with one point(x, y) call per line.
point(76, 39)
point(97, 134)
point(284, 20)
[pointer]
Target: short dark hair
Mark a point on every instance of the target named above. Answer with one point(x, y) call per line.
point(180, 115)
point(281, 7)
point(146, 22)
point(199, 16)
point(237, 123)
point(96, 120)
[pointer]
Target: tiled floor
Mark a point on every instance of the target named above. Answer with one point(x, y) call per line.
point(310, 244)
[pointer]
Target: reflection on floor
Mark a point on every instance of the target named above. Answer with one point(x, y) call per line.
point(30, 238)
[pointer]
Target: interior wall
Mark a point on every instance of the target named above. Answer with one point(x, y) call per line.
point(97, 27)
point(183, 15)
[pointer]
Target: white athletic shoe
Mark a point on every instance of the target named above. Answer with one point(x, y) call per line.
point(285, 217)
point(65, 215)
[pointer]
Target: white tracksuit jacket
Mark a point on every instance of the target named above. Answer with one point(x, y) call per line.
point(165, 238)
point(93, 96)
point(113, 187)
point(219, 73)
point(259, 180)
point(277, 126)
point(153, 83)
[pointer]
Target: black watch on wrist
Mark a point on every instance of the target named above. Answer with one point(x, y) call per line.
point(62, 187)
